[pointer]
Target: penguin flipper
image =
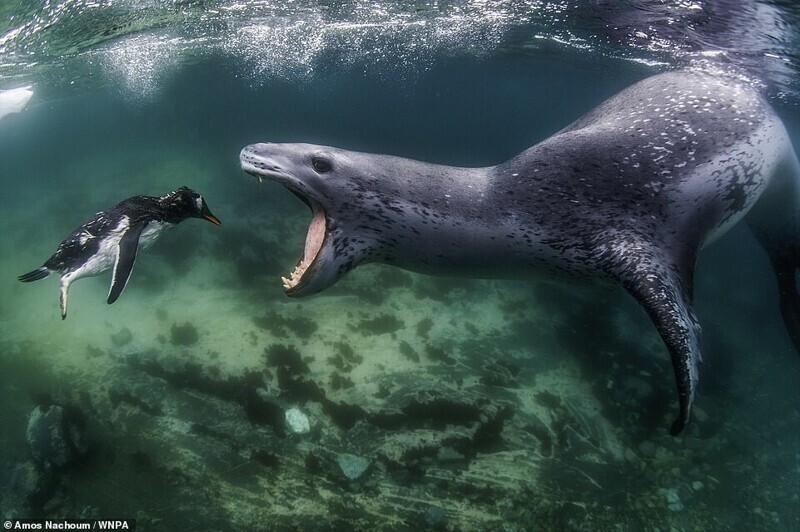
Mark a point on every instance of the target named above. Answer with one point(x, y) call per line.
point(126, 257)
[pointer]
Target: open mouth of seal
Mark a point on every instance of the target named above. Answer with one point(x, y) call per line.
point(317, 229)
point(315, 238)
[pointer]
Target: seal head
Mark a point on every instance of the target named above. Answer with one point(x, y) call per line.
point(376, 208)
point(304, 169)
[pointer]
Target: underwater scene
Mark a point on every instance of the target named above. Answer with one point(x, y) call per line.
point(207, 398)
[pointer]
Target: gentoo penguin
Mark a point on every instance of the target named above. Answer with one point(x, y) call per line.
point(113, 237)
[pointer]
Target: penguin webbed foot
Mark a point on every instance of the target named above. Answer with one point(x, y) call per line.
point(62, 304)
point(35, 275)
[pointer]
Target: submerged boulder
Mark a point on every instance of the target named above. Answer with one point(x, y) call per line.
point(352, 466)
point(56, 436)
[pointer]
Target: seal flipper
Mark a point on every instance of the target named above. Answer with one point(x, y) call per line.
point(665, 292)
point(789, 293)
point(126, 257)
point(775, 221)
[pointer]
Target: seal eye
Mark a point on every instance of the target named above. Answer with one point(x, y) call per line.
point(321, 164)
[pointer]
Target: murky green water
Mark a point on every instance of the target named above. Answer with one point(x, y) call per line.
point(475, 404)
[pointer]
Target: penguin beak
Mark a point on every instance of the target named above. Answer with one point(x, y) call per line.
point(206, 213)
point(213, 219)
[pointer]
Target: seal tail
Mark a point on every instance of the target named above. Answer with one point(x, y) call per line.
point(36, 275)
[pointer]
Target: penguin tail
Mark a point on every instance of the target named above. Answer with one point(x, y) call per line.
point(35, 275)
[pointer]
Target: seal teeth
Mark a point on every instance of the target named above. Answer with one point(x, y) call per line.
point(314, 241)
point(296, 275)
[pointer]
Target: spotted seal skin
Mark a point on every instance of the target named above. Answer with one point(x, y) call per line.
point(629, 193)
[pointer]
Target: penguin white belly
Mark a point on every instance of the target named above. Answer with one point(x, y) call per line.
point(106, 255)
point(151, 232)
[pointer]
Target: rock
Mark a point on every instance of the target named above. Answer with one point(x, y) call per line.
point(436, 518)
point(56, 437)
point(662, 455)
point(697, 485)
point(637, 389)
point(24, 481)
point(31, 486)
point(647, 448)
point(352, 466)
point(630, 456)
point(123, 337)
point(674, 503)
point(185, 335)
point(448, 454)
point(46, 438)
point(699, 414)
point(297, 421)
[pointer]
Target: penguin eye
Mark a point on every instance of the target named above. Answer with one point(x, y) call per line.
point(321, 165)
point(198, 201)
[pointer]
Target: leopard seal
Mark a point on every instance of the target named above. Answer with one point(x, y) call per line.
point(629, 194)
